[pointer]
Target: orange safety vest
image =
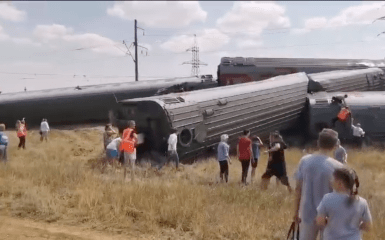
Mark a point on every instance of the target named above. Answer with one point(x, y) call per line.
point(22, 131)
point(128, 144)
point(343, 115)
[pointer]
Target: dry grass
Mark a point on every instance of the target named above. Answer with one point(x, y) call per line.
point(55, 182)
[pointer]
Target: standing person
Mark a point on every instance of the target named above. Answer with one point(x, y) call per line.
point(255, 146)
point(224, 158)
point(245, 153)
point(276, 165)
point(112, 152)
point(314, 176)
point(340, 154)
point(343, 213)
point(108, 135)
point(3, 143)
point(172, 154)
point(358, 135)
point(44, 130)
point(22, 133)
point(128, 146)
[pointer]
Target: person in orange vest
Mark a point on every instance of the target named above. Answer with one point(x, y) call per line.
point(342, 116)
point(128, 147)
point(21, 133)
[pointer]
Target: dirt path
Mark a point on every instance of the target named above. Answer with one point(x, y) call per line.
point(20, 229)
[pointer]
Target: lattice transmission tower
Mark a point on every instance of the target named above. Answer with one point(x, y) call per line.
point(195, 62)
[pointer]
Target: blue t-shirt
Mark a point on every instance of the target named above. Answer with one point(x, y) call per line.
point(255, 147)
point(3, 139)
point(315, 171)
point(223, 151)
point(339, 154)
point(343, 220)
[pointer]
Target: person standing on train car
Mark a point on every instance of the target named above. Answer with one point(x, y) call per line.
point(128, 147)
point(172, 154)
point(44, 130)
point(3, 144)
point(22, 133)
point(245, 153)
point(276, 165)
point(224, 158)
point(255, 145)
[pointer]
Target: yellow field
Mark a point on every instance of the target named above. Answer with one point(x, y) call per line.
point(55, 182)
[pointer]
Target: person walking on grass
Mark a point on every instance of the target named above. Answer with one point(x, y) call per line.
point(44, 130)
point(342, 213)
point(128, 146)
point(112, 153)
point(255, 145)
point(276, 165)
point(340, 153)
point(224, 158)
point(3, 144)
point(313, 180)
point(172, 154)
point(21, 133)
point(244, 153)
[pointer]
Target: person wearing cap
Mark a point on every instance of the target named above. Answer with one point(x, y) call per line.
point(172, 154)
point(21, 133)
point(276, 165)
point(224, 158)
point(313, 180)
point(3, 144)
point(358, 135)
point(128, 147)
point(44, 130)
point(245, 153)
point(340, 153)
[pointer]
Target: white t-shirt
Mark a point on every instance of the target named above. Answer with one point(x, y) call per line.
point(44, 127)
point(357, 131)
point(114, 144)
point(172, 141)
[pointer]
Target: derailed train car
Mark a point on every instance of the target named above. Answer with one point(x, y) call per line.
point(370, 79)
point(85, 104)
point(239, 70)
point(202, 116)
point(368, 109)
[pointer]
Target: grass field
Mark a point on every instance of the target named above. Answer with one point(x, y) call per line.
point(55, 182)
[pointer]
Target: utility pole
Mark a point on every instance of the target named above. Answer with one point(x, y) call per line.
point(136, 53)
point(195, 62)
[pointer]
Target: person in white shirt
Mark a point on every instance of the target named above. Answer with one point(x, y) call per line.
point(44, 130)
point(112, 153)
point(172, 154)
point(358, 134)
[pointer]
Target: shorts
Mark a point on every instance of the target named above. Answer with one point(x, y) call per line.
point(278, 170)
point(111, 153)
point(129, 158)
point(224, 166)
point(254, 165)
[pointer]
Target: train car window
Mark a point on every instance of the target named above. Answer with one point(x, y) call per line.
point(185, 137)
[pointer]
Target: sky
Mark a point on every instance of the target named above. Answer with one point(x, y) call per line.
point(52, 44)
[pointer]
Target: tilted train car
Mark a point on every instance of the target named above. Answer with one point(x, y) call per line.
point(239, 70)
point(87, 103)
point(202, 116)
point(368, 109)
point(370, 79)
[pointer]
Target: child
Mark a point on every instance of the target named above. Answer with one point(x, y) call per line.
point(112, 152)
point(255, 145)
point(223, 157)
point(342, 212)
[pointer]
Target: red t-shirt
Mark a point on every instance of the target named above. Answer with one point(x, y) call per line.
point(244, 148)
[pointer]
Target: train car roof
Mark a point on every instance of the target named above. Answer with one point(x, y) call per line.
point(342, 73)
point(372, 98)
point(91, 89)
point(223, 92)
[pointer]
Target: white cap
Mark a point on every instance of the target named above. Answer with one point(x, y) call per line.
point(224, 137)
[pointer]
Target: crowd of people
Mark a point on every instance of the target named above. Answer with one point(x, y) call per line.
point(326, 193)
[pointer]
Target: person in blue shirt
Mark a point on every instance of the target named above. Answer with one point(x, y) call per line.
point(3, 144)
point(342, 213)
point(224, 158)
point(255, 146)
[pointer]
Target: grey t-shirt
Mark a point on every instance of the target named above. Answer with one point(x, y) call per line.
point(315, 171)
point(339, 154)
point(343, 220)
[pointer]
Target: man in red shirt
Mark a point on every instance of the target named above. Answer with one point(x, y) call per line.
point(244, 152)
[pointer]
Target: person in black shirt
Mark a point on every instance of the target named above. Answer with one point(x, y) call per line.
point(276, 165)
